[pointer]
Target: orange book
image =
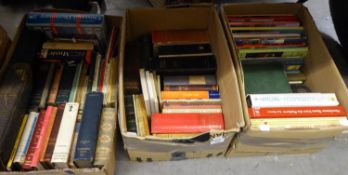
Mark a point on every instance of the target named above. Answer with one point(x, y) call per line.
point(171, 95)
point(297, 112)
point(180, 37)
point(55, 84)
point(53, 112)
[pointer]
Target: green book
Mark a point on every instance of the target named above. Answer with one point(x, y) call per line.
point(265, 79)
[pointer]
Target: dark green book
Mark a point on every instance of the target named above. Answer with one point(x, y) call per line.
point(265, 79)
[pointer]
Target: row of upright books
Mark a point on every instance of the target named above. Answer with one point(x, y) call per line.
point(273, 51)
point(70, 119)
point(175, 92)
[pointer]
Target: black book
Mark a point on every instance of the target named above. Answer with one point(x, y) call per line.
point(186, 50)
point(39, 79)
point(130, 114)
point(66, 82)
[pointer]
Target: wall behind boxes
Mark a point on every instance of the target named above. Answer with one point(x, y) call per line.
point(330, 161)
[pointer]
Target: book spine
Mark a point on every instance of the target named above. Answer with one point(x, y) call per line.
point(86, 142)
point(39, 18)
point(167, 95)
point(105, 83)
point(66, 83)
point(111, 95)
point(63, 54)
point(55, 84)
point(189, 80)
point(10, 164)
point(102, 74)
point(191, 88)
point(96, 73)
point(74, 88)
point(73, 145)
point(186, 123)
point(26, 139)
point(47, 86)
point(33, 155)
point(106, 135)
point(297, 112)
point(53, 114)
point(65, 135)
point(68, 46)
point(293, 100)
point(192, 110)
point(130, 114)
point(299, 52)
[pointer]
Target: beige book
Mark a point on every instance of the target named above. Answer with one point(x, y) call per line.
point(68, 45)
point(140, 116)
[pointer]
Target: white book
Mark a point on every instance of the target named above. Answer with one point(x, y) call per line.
point(61, 151)
point(153, 85)
point(151, 91)
point(26, 138)
point(193, 110)
point(144, 88)
point(96, 73)
point(293, 100)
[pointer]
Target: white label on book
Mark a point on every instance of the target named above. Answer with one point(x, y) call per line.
point(217, 139)
point(264, 128)
point(65, 133)
point(293, 100)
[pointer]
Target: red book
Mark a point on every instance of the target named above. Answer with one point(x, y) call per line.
point(102, 73)
point(186, 123)
point(296, 112)
point(33, 155)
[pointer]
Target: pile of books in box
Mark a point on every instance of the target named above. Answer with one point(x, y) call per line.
point(176, 92)
point(71, 117)
point(273, 50)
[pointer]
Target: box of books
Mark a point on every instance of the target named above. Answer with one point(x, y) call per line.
point(59, 94)
point(178, 90)
point(293, 96)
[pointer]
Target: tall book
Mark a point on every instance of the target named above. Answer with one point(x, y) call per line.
point(61, 151)
point(66, 83)
point(145, 91)
point(33, 155)
point(74, 88)
point(40, 76)
point(86, 142)
point(111, 94)
point(96, 73)
point(46, 161)
point(10, 165)
point(82, 88)
point(55, 84)
point(26, 139)
point(140, 116)
point(106, 136)
point(47, 86)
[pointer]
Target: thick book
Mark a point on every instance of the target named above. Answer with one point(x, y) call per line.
point(25, 139)
point(265, 78)
point(33, 155)
point(168, 95)
point(55, 84)
point(65, 135)
point(141, 118)
point(179, 37)
point(111, 94)
point(192, 102)
point(37, 18)
point(152, 92)
point(186, 50)
point(263, 18)
point(191, 110)
point(297, 112)
point(186, 123)
point(87, 139)
point(65, 55)
point(106, 136)
point(66, 83)
point(293, 100)
point(199, 80)
point(130, 114)
point(298, 52)
point(82, 88)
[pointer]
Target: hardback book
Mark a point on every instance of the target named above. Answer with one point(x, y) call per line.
point(14, 95)
point(96, 73)
point(171, 37)
point(39, 79)
point(10, 164)
point(293, 100)
point(298, 52)
point(50, 45)
point(33, 155)
point(87, 139)
point(64, 140)
point(145, 92)
point(75, 84)
point(55, 84)
point(130, 114)
point(82, 88)
point(66, 83)
point(106, 136)
point(263, 18)
point(25, 140)
point(190, 80)
point(46, 161)
point(52, 111)
point(184, 50)
point(169, 95)
point(141, 118)
point(146, 52)
point(103, 69)
point(265, 35)
point(297, 77)
point(47, 86)
point(106, 87)
point(216, 101)
point(265, 78)
point(191, 88)
point(73, 145)
point(84, 92)
point(186, 123)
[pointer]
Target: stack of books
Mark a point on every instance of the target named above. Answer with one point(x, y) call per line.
point(273, 50)
point(71, 117)
point(178, 93)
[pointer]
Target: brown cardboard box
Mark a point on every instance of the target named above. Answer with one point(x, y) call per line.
point(320, 70)
point(109, 168)
point(145, 20)
point(5, 42)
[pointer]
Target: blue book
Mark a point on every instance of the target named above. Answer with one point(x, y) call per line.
point(39, 18)
point(88, 134)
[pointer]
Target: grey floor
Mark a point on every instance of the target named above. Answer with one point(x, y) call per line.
point(332, 160)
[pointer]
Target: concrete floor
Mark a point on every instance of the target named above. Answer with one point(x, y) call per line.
point(332, 160)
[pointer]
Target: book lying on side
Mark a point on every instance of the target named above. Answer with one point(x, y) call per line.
point(68, 45)
point(191, 88)
point(293, 100)
point(202, 80)
point(297, 112)
point(216, 101)
point(192, 110)
point(186, 123)
point(167, 95)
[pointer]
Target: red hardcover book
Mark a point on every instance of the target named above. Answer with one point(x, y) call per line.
point(296, 112)
point(186, 123)
point(102, 73)
point(33, 155)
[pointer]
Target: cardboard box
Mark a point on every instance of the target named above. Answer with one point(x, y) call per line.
point(145, 20)
point(162, 3)
point(320, 70)
point(109, 168)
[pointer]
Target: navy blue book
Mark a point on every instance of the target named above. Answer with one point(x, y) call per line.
point(39, 18)
point(66, 83)
point(88, 134)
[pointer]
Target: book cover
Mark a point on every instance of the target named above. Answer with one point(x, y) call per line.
point(189, 80)
point(184, 50)
point(55, 84)
point(96, 73)
point(39, 79)
point(145, 92)
point(190, 88)
point(168, 95)
point(86, 142)
point(186, 123)
point(298, 52)
point(65, 135)
point(49, 45)
point(191, 110)
point(66, 83)
point(106, 136)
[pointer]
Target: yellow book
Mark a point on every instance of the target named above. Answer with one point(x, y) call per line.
point(15, 147)
point(111, 93)
point(68, 45)
point(141, 116)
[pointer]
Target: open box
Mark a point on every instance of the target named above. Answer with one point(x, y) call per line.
point(142, 21)
point(320, 70)
point(109, 168)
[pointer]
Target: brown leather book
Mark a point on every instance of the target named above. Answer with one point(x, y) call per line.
point(55, 85)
